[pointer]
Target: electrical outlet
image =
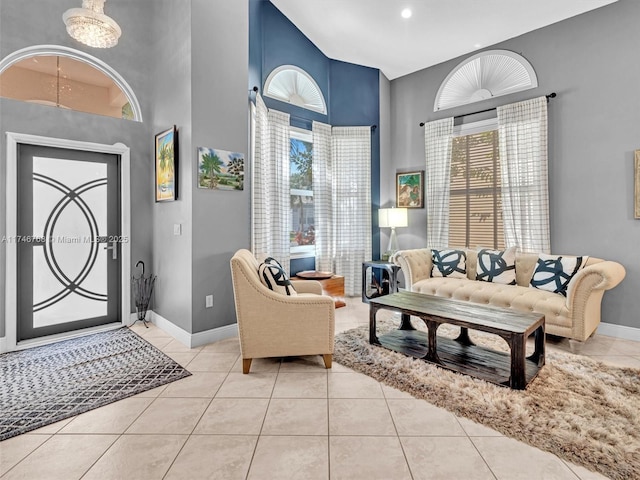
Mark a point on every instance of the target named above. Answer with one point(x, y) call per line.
point(177, 229)
point(208, 301)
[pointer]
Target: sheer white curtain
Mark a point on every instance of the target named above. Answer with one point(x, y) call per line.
point(351, 161)
point(522, 132)
point(438, 138)
point(322, 196)
point(271, 213)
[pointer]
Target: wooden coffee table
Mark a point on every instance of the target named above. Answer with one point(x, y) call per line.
point(515, 370)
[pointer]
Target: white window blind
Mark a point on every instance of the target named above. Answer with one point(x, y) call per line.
point(475, 206)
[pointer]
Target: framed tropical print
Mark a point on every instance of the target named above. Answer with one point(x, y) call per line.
point(166, 165)
point(410, 189)
point(220, 170)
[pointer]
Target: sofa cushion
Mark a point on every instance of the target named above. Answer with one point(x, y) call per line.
point(553, 272)
point(273, 276)
point(449, 263)
point(523, 299)
point(496, 266)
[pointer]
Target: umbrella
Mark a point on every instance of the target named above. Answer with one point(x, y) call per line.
point(142, 289)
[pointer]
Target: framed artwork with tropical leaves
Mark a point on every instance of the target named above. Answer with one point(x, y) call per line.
point(410, 189)
point(220, 170)
point(166, 162)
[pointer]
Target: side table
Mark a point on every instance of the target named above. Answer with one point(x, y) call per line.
point(388, 283)
point(333, 287)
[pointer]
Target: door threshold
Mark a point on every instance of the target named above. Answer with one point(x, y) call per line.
point(58, 337)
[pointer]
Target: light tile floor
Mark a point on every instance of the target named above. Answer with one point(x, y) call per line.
point(288, 419)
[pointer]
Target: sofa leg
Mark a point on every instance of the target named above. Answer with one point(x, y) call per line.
point(327, 360)
point(246, 365)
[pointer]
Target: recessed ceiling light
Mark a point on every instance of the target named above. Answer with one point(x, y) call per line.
point(406, 13)
point(477, 45)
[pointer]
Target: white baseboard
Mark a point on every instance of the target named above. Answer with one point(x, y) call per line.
point(190, 340)
point(3, 345)
point(619, 331)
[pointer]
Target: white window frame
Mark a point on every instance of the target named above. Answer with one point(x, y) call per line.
point(302, 251)
point(473, 128)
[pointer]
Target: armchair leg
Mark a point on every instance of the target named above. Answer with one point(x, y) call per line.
point(246, 365)
point(327, 360)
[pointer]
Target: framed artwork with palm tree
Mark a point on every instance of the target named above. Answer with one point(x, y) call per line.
point(220, 170)
point(167, 165)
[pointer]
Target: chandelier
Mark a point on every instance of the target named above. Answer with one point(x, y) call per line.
point(89, 25)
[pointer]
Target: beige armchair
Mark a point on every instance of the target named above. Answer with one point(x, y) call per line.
point(271, 324)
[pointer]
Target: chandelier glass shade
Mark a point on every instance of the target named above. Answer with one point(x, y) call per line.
point(89, 25)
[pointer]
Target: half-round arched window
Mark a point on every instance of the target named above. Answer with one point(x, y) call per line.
point(67, 78)
point(291, 84)
point(485, 75)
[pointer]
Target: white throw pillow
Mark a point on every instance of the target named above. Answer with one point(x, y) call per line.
point(449, 263)
point(497, 266)
point(273, 276)
point(553, 273)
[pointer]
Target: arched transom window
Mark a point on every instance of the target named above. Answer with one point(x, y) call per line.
point(485, 75)
point(292, 84)
point(67, 78)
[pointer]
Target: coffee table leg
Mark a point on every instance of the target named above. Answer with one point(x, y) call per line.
point(538, 353)
point(372, 324)
point(517, 380)
point(463, 338)
point(432, 352)
point(405, 322)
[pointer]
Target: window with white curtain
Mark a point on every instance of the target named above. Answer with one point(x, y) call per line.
point(303, 231)
point(325, 208)
point(471, 182)
point(475, 198)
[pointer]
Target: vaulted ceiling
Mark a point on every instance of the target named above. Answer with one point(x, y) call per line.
point(375, 34)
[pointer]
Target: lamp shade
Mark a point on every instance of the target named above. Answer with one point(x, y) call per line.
point(392, 217)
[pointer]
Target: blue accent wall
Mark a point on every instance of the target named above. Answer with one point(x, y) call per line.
point(355, 100)
point(284, 44)
point(352, 92)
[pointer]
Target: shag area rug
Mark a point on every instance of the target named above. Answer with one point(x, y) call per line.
point(577, 408)
point(43, 385)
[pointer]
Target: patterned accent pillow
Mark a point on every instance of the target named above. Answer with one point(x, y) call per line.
point(449, 263)
point(273, 276)
point(553, 273)
point(497, 266)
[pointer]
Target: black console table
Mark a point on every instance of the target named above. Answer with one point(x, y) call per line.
point(388, 274)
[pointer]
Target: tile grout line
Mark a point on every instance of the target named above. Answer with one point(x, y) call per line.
point(255, 448)
point(480, 453)
point(395, 427)
point(200, 418)
point(119, 436)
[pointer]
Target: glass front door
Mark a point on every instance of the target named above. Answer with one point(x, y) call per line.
point(68, 240)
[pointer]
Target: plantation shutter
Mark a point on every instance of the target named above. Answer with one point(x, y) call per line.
point(475, 210)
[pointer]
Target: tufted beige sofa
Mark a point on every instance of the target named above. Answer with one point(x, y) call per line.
point(575, 316)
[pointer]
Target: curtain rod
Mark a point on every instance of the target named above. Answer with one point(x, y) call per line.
point(256, 90)
point(551, 95)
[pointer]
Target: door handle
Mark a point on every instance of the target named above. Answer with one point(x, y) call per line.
point(113, 248)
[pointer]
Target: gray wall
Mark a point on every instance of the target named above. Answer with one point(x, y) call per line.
point(594, 122)
point(172, 96)
point(36, 22)
point(220, 120)
point(387, 172)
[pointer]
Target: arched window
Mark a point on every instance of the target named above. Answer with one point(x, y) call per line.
point(291, 84)
point(67, 78)
point(485, 75)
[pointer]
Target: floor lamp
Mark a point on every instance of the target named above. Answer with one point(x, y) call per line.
point(392, 218)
